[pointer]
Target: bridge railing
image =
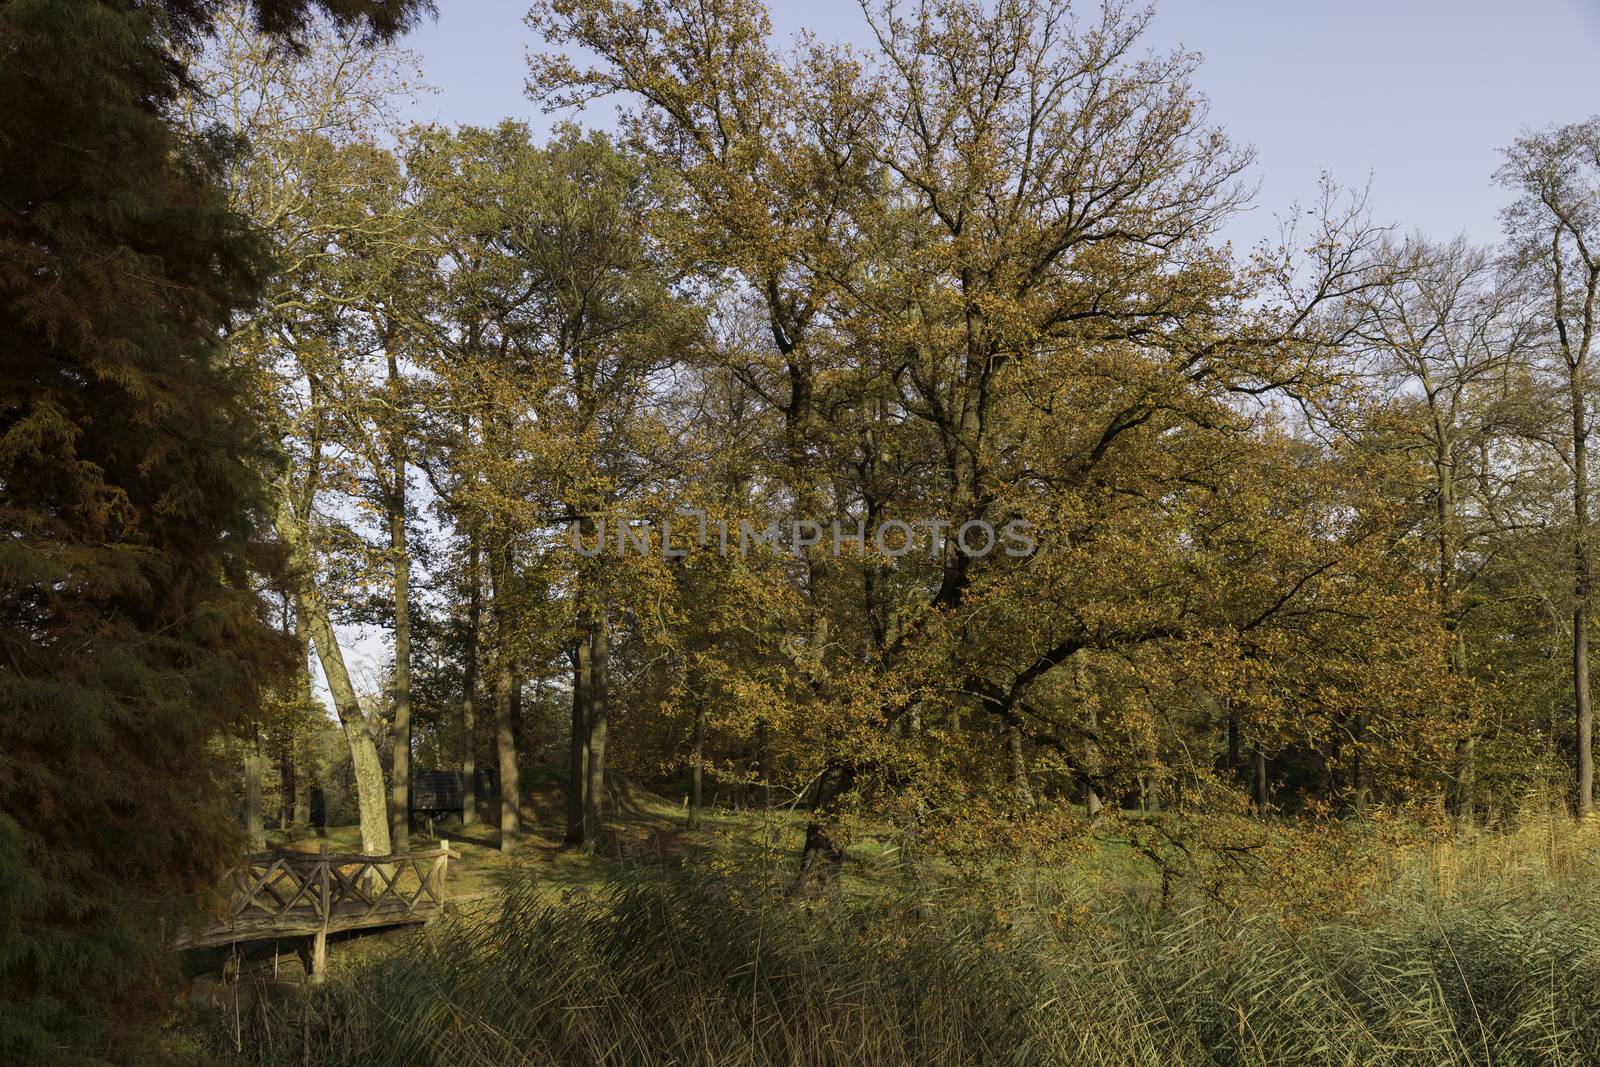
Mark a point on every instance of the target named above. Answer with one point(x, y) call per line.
point(286, 893)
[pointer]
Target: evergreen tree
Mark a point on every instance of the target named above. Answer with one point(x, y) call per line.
point(132, 492)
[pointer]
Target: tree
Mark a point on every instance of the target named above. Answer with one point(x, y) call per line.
point(330, 199)
point(1441, 343)
point(471, 319)
point(134, 498)
point(985, 259)
point(1554, 233)
point(560, 311)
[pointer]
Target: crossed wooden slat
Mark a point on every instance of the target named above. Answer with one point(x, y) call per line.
point(294, 889)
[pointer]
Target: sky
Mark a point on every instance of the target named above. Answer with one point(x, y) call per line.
point(1415, 96)
point(1418, 96)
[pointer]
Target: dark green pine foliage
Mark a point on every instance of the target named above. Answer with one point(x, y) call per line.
point(131, 486)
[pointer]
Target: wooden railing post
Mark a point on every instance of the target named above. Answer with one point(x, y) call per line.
point(319, 941)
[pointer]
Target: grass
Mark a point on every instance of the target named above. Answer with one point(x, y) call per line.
point(649, 832)
point(1484, 951)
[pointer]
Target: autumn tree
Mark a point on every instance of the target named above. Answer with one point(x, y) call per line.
point(985, 255)
point(1554, 232)
point(314, 178)
point(557, 312)
point(1438, 346)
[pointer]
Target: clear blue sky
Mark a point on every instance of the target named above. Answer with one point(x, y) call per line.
point(1418, 94)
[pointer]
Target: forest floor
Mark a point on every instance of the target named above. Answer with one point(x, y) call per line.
point(644, 832)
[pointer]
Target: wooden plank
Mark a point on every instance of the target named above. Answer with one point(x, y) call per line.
point(390, 881)
point(265, 929)
point(350, 884)
point(323, 868)
point(249, 932)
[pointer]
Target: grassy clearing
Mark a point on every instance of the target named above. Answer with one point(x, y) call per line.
point(1477, 952)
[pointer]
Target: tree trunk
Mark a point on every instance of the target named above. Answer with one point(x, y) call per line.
point(367, 769)
point(395, 506)
point(285, 785)
point(578, 742)
point(506, 747)
point(1021, 791)
point(518, 737)
point(1091, 719)
point(300, 820)
point(400, 804)
point(365, 765)
point(1259, 781)
point(469, 689)
point(598, 715)
point(1235, 751)
point(504, 679)
point(1583, 708)
point(823, 854)
point(697, 760)
point(1462, 801)
point(582, 699)
point(299, 750)
point(764, 760)
point(254, 825)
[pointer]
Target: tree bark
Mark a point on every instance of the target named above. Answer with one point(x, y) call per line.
point(578, 742)
point(469, 687)
point(299, 753)
point(1235, 750)
point(1583, 706)
point(400, 804)
point(697, 760)
point(505, 736)
point(764, 760)
point(506, 747)
point(1021, 791)
point(285, 784)
point(1091, 800)
point(254, 824)
point(1462, 801)
point(1259, 780)
point(365, 765)
point(823, 854)
point(598, 716)
point(518, 737)
point(371, 801)
point(300, 819)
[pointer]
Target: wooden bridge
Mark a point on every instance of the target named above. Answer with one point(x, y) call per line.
point(288, 894)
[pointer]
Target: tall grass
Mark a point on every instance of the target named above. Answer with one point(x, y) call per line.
point(1485, 953)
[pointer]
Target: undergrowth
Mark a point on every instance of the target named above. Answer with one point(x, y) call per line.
point(1485, 952)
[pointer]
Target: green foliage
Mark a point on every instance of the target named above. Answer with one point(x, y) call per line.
point(692, 969)
point(129, 629)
